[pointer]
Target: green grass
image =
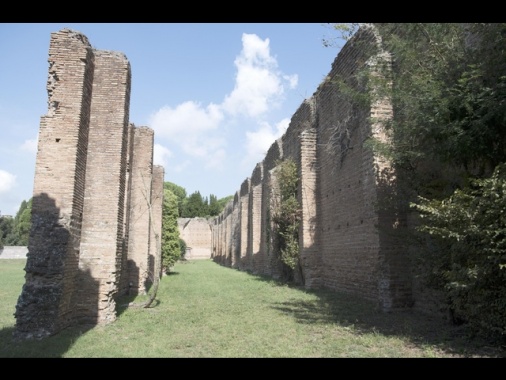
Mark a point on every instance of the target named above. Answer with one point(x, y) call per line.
point(204, 310)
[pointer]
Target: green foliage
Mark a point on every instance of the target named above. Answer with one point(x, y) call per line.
point(286, 216)
point(16, 231)
point(447, 87)
point(182, 248)
point(171, 251)
point(469, 230)
point(23, 222)
point(179, 192)
point(6, 229)
point(195, 206)
point(198, 307)
point(214, 206)
point(448, 90)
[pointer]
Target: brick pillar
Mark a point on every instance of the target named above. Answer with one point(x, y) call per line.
point(102, 228)
point(235, 240)
point(155, 245)
point(45, 304)
point(309, 253)
point(255, 217)
point(244, 224)
point(123, 277)
point(138, 239)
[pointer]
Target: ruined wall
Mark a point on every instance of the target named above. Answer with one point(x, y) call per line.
point(123, 283)
point(45, 306)
point(139, 225)
point(243, 211)
point(82, 192)
point(155, 236)
point(349, 234)
point(197, 234)
point(102, 227)
point(255, 219)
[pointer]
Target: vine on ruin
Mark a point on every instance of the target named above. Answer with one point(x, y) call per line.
point(286, 216)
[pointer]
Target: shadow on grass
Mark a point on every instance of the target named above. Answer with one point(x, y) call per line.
point(50, 347)
point(330, 307)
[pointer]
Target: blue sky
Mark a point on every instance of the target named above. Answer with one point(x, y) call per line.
point(217, 95)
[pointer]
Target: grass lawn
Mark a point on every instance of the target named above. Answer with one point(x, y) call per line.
point(204, 310)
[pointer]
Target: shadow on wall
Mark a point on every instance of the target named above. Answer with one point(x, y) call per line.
point(133, 279)
point(57, 293)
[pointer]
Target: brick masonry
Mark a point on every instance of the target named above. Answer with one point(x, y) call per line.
point(197, 234)
point(93, 171)
point(350, 236)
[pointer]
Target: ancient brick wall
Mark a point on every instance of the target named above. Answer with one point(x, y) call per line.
point(139, 225)
point(155, 236)
point(45, 304)
point(243, 211)
point(197, 234)
point(92, 166)
point(123, 283)
point(102, 227)
point(255, 219)
point(350, 233)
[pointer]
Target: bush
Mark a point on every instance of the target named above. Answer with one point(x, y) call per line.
point(469, 229)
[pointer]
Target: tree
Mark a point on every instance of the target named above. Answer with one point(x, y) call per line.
point(6, 229)
point(171, 250)
point(179, 192)
point(214, 206)
point(23, 223)
point(469, 229)
point(195, 206)
point(16, 231)
point(447, 141)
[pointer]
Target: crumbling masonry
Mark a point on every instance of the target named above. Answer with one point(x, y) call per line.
point(350, 236)
point(96, 214)
point(97, 199)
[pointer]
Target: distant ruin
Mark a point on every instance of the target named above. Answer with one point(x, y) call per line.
point(196, 233)
point(97, 199)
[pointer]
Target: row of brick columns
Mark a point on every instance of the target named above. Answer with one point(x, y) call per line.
point(97, 197)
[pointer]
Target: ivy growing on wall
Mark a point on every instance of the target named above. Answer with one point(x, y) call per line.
point(286, 217)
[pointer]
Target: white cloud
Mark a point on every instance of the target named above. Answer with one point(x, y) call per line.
point(7, 181)
point(198, 131)
point(178, 168)
point(161, 155)
point(192, 127)
point(30, 146)
point(259, 142)
point(187, 119)
point(259, 84)
point(292, 80)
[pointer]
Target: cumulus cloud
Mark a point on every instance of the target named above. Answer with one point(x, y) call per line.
point(7, 181)
point(259, 83)
point(259, 142)
point(200, 132)
point(192, 127)
point(30, 146)
point(161, 155)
